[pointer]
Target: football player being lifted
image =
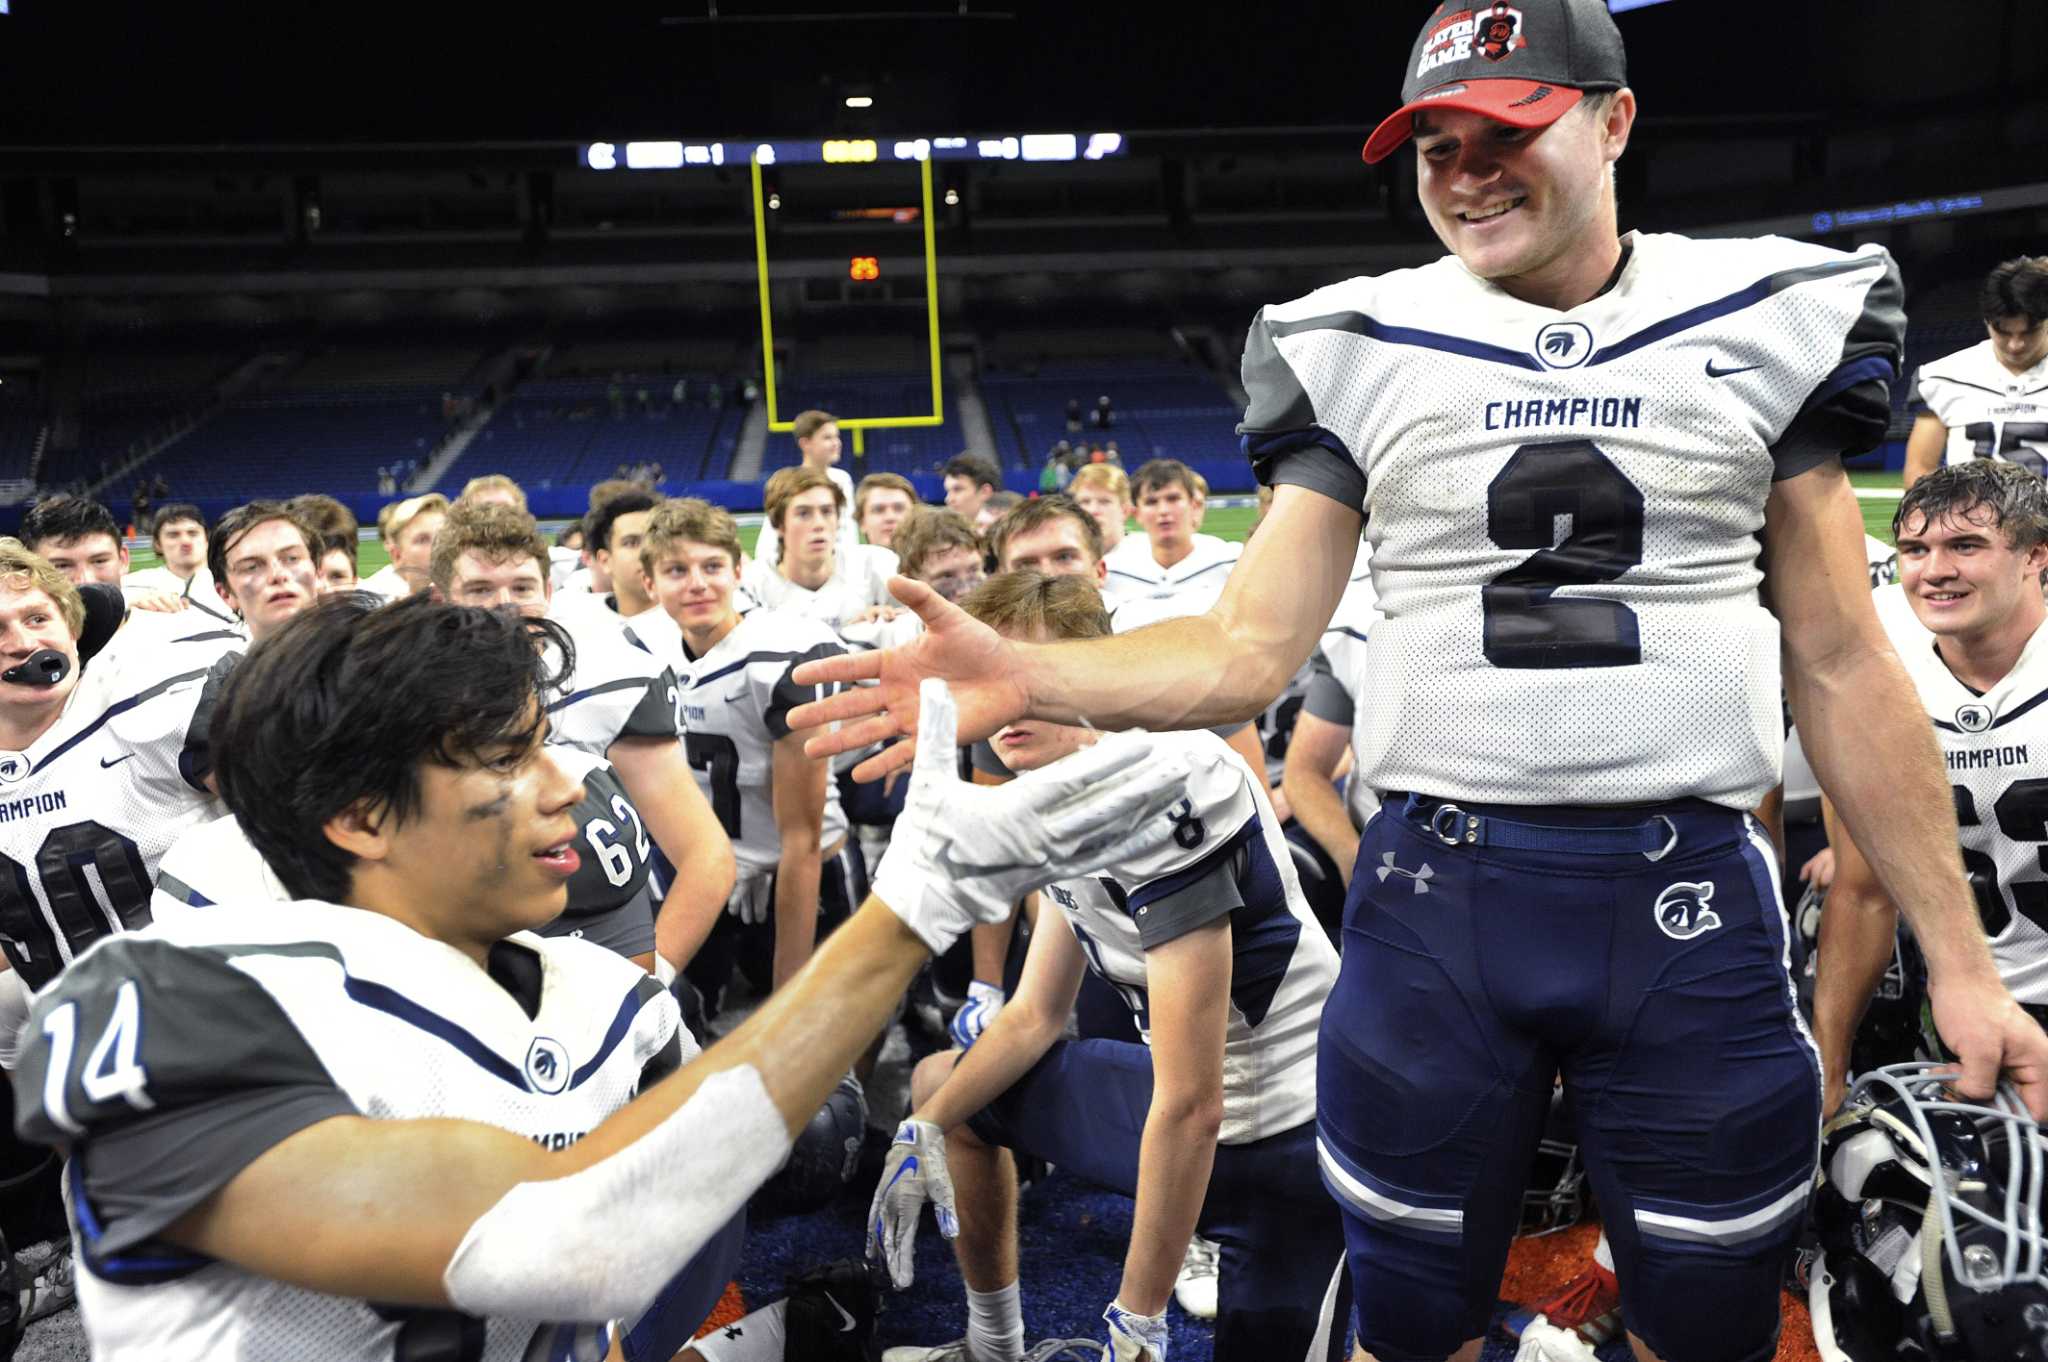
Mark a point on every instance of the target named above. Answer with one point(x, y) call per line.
point(1556, 405)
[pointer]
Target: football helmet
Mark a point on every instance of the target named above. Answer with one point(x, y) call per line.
point(1929, 1217)
point(825, 1156)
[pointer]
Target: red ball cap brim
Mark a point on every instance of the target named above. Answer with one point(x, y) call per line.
point(1520, 103)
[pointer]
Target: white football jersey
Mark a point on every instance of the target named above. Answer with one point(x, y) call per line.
point(618, 689)
point(2000, 785)
point(732, 706)
point(385, 582)
point(859, 582)
point(1564, 506)
point(233, 1029)
point(1134, 574)
point(88, 811)
point(768, 546)
point(197, 590)
point(1227, 856)
point(1990, 411)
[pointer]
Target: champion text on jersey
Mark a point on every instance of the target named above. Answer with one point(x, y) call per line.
point(1682, 910)
point(50, 802)
point(1609, 413)
point(2012, 755)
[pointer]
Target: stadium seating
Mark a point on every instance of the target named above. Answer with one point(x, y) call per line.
point(567, 431)
point(906, 450)
point(1160, 410)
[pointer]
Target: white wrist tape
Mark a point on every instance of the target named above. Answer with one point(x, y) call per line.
point(599, 1244)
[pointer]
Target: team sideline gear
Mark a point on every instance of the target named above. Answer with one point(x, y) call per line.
point(732, 706)
point(2000, 783)
point(984, 1002)
point(1649, 423)
point(1929, 1216)
point(1990, 411)
point(1134, 1337)
point(962, 854)
point(167, 1060)
point(913, 1173)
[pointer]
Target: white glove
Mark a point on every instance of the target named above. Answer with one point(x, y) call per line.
point(752, 897)
point(962, 854)
point(1134, 1337)
point(914, 1173)
point(983, 1002)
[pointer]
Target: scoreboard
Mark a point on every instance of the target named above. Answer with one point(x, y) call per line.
point(1035, 146)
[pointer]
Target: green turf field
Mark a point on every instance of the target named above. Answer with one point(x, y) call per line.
point(1227, 522)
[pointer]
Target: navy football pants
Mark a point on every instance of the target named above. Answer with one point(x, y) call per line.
point(1659, 989)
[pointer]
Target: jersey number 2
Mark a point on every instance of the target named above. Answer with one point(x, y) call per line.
point(1526, 624)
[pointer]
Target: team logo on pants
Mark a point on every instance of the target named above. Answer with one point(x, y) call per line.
point(1683, 910)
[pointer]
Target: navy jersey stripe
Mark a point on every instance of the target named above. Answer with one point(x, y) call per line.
point(749, 660)
point(110, 712)
point(609, 686)
point(1737, 301)
point(1358, 324)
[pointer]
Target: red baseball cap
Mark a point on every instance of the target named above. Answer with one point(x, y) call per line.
point(1526, 64)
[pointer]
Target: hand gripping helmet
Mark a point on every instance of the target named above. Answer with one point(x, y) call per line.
point(1929, 1217)
point(1555, 1198)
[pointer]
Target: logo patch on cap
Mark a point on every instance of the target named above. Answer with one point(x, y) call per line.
point(1500, 32)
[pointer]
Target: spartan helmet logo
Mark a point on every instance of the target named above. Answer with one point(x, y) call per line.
point(1683, 912)
point(1500, 32)
point(547, 1066)
point(13, 766)
point(1970, 718)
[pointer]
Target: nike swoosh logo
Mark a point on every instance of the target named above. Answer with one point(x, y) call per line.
point(1712, 372)
point(104, 763)
point(850, 1324)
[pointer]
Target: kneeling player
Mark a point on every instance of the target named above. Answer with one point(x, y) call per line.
point(378, 1122)
point(1209, 1126)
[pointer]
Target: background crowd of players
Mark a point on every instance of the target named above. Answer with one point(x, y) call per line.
point(715, 850)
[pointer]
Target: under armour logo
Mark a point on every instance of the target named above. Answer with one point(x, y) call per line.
point(1421, 877)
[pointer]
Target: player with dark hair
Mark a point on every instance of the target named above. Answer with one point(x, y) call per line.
point(616, 706)
point(476, 1081)
point(1990, 401)
point(1173, 555)
point(970, 480)
point(77, 536)
point(612, 533)
point(1568, 444)
point(178, 534)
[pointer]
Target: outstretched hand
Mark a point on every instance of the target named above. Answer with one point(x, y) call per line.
point(981, 668)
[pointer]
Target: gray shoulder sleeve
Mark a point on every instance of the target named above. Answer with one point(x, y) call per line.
point(214, 1073)
point(985, 760)
point(1850, 410)
point(1328, 700)
point(1193, 898)
point(1281, 435)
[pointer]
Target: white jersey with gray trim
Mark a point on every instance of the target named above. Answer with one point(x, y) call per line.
point(1564, 506)
point(1133, 574)
point(1227, 857)
point(732, 706)
point(169, 1059)
point(1996, 749)
point(618, 689)
point(859, 582)
point(1990, 411)
point(88, 811)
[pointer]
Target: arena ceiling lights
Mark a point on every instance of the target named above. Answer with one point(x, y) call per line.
point(1034, 146)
